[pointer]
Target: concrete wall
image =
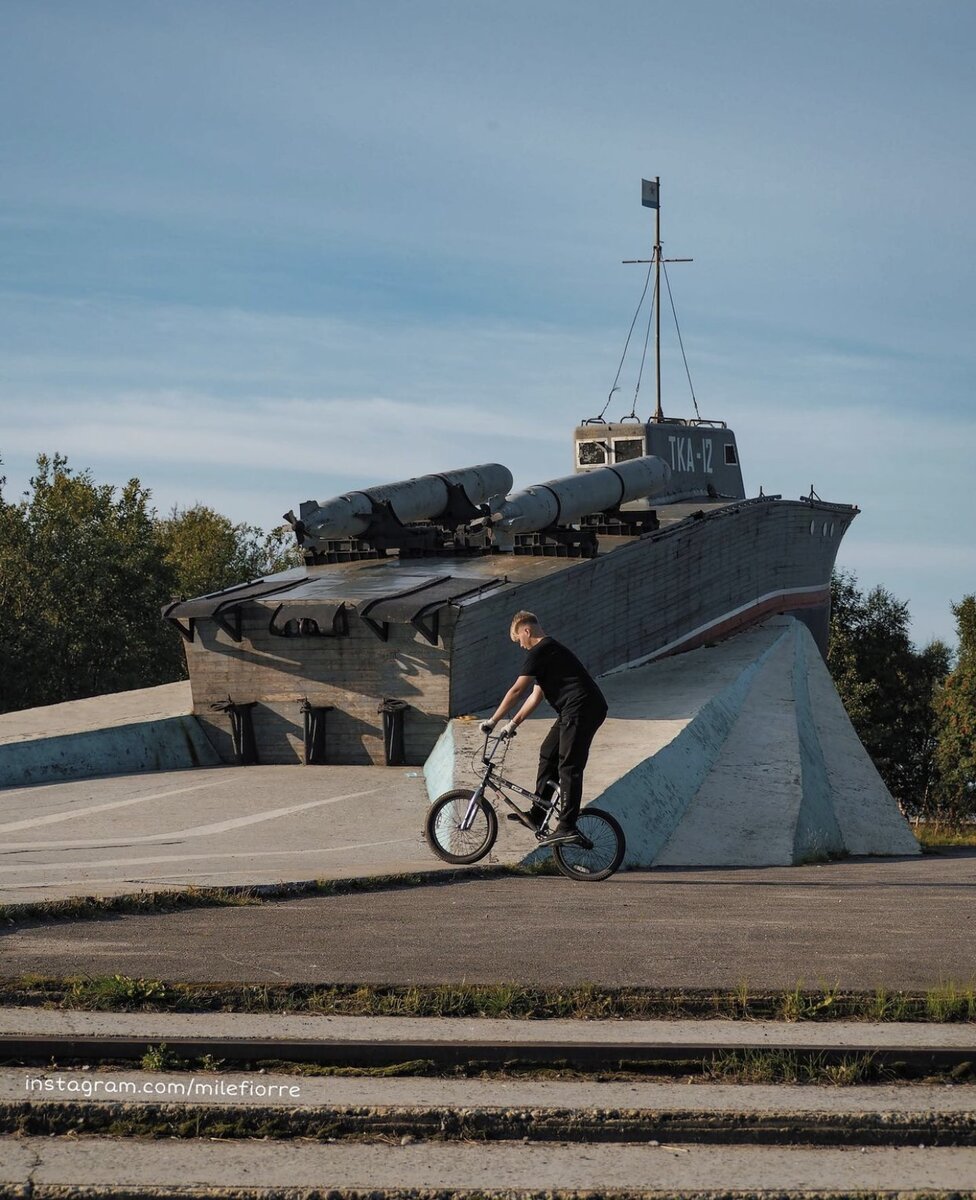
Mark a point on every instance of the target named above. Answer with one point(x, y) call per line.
point(147, 729)
point(351, 674)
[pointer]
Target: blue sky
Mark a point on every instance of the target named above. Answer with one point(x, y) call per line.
point(257, 253)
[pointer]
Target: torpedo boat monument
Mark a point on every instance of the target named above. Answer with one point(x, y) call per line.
point(647, 559)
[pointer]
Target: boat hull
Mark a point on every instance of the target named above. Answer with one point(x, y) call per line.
point(432, 633)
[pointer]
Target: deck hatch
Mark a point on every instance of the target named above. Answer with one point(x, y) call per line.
point(222, 607)
point(420, 605)
point(309, 618)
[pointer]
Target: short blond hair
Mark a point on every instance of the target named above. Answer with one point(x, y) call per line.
point(522, 618)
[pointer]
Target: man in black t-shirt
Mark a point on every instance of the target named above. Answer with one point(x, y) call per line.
point(555, 674)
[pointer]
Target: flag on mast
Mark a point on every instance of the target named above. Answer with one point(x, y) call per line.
point(649, 191)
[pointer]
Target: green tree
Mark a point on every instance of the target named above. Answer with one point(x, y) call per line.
point(82, 583)
point(955, 708)
point(85, 569)
point(14, 593)
point(887, 687)
point(208, 552)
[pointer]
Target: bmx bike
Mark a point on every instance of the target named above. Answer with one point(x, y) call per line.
point(462, 825)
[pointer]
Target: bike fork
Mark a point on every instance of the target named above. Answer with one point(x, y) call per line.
point(473, 807)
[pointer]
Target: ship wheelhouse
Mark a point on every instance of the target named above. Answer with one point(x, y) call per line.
point(702, 455)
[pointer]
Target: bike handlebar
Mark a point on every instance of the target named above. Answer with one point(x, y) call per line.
point(498, 738)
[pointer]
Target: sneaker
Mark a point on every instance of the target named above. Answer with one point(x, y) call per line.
point(560, 837)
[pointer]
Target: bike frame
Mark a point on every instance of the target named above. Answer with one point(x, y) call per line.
point(496, 784)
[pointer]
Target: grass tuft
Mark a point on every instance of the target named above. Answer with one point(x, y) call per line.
point(934, 834)
point(785, 1066)
point(118, 992)
point(161, 1058)
point(948, 1002)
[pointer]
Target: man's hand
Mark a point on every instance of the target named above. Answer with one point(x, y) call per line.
point(508, 730)
point(487, 726)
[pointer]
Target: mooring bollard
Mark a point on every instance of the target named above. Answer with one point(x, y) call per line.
point(393, 711)
point(314, 722)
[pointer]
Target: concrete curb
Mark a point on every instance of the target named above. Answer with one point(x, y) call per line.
point(445, 1042)
point(203, 896)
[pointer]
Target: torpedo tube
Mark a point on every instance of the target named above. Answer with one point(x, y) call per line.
point(422, 499)
point(565, 501)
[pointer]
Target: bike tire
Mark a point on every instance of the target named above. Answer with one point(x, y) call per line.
point(606, 854)
point(445, 837)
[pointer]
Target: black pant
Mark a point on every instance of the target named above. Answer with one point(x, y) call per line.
point(563, 755)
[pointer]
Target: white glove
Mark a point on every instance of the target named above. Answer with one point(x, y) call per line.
point(508, 730)
point(487, 726)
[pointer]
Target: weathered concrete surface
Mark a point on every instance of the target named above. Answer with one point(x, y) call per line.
point(103, 1166)
point(217, 827)
point(905, 923)
point(856, 1036)
point(739, 754)
point(659, 1096)
point(98, 712)
point(146, 730)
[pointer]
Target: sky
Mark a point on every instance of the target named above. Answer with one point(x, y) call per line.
point(255, 253)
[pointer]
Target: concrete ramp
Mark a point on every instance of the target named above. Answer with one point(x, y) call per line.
point(151, 729)
point(738, 754)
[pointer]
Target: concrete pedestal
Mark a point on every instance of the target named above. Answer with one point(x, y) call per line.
point(738, 754)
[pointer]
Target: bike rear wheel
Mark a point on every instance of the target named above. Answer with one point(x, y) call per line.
point(444, 834)
point(604, 854)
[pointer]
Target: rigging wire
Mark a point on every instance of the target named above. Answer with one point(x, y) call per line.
point(680, 343)
point(647, 337)
point(616, 379)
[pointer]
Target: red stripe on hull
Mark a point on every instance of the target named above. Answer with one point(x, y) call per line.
point(751, 616)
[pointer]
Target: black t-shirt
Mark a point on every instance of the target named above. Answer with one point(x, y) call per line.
point(565, 682)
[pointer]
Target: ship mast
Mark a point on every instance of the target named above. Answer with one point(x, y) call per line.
point(658, 411)
point(651, 198)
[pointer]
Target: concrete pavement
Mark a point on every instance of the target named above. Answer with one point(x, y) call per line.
point(150, 729)
point(858, 924)
point(49, 1167)
point(217, 827)
point(290, 1091)
point(855, 1036)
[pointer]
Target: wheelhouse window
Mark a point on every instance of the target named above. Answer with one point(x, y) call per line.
point(624, 449)
point(730, 456)
point(591, 454)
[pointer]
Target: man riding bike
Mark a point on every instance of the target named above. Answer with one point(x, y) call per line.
point(553, 673)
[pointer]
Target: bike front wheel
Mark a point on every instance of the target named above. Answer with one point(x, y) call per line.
point(445, 835)
point(601, 852)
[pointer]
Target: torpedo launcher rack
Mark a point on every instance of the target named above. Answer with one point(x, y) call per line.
point(432, 514)
point(470, 511)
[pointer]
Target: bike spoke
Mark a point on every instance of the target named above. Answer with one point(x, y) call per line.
point(597, 855)
point(453, 837)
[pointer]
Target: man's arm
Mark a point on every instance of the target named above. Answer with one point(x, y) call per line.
point(514, 692)
point(533, 702)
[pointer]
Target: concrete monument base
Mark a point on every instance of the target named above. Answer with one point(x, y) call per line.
point(151, 729)
point(737, 754)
